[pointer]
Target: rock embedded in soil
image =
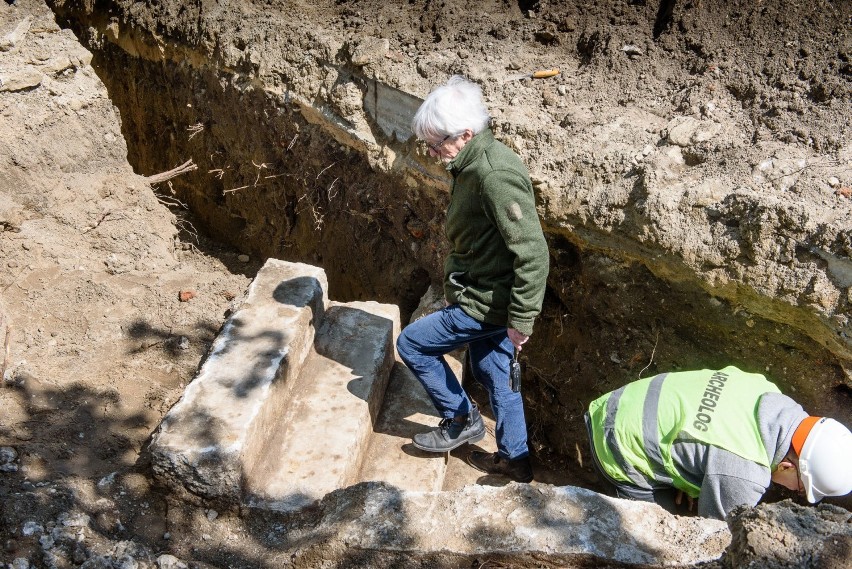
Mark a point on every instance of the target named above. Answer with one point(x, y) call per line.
point(784, 535)
point(19, 80)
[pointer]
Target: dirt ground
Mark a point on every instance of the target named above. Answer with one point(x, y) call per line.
point(111, 292)
point(98, 344)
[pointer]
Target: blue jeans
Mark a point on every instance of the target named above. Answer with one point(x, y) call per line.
point(422, 346)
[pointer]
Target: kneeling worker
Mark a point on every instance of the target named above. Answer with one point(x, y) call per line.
point(719, 436)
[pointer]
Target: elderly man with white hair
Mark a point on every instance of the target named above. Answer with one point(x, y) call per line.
point(494, 281)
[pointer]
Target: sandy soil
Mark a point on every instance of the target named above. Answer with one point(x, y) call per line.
point(98, 342)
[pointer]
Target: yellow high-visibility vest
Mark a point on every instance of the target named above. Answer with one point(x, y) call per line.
point(634, 427)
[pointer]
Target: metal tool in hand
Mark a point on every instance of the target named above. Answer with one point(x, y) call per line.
point(515, 373)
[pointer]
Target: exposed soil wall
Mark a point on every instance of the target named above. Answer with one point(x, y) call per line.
point(690, 164)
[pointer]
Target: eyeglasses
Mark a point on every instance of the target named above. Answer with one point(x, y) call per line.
point(436, 148)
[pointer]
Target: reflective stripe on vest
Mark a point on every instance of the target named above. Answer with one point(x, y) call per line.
point(634, 427)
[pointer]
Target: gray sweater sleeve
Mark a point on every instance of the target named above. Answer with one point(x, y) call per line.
point(777, 419)
point(730, 481)
point(726, 479)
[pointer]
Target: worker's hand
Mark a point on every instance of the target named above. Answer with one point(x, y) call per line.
point(517, 338)
point(689, 500)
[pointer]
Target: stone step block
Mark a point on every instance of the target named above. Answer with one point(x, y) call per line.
point(566, 525)
point(391, 458)
point(214, 434)
point(323, 433)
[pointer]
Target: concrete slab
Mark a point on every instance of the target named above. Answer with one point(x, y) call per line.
point(322, 434)
point(556, 522)
point(460, 474)
point(210, 437)
point(391, 457)
point(391, 108)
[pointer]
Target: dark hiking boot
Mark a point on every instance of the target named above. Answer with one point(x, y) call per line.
point(519, 470)
point(451, 433)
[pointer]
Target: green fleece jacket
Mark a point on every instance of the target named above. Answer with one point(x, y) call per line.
point(498, 263)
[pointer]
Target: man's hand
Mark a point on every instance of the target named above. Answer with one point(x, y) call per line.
point(689, 499)
point(517, 338)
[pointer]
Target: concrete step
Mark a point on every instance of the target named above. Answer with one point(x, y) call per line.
point(324, 430)
point(391, 457)
point(212, 436)
point(514, 525)
point(460, 474)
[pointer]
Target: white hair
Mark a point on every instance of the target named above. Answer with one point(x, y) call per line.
point(451, 109)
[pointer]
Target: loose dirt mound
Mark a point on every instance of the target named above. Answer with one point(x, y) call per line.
point(784, 535)
point(99, 343)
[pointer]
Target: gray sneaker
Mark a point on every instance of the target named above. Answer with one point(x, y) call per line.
point(451, 434)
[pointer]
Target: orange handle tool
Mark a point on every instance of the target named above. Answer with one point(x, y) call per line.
point(545, 73)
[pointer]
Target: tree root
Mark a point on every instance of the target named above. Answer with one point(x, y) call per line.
point(187, 166)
